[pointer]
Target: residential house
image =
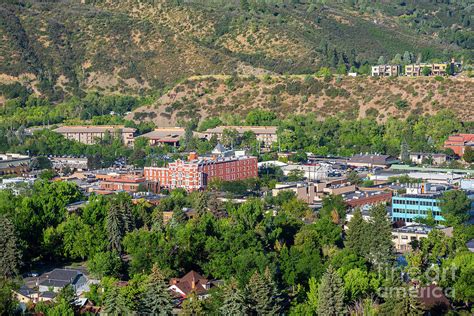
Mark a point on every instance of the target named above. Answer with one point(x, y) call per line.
point(89, 134)
point(386, 70)
point(57, 279)
point(416, 70)
point(305, 191)
point(191, 282)
point(459, 142)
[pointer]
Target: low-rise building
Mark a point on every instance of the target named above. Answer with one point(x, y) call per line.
point(14, 164)
point(305, 191)
point(403, 236)
point(416, 70)
point(459, 142)
point(90, 134)
point(372, 160)
point(57, 279)
point(166, 135)
point(267, 135)
point(432, 158)
point(386, 70)
point(367, 199)
point(73, 163)
point(122, 182)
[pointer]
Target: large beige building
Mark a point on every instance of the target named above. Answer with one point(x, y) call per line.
point(386, 70)
point(267, 135)
point(416, 70)
point(89, 134)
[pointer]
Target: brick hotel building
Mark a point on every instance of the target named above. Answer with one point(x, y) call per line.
point(196, 173)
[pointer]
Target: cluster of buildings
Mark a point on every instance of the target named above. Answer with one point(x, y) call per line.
point(459, 142)
point(91, 134)
point(415, 70)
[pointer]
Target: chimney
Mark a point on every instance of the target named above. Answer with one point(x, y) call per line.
point(192, 156)
point(193, 283)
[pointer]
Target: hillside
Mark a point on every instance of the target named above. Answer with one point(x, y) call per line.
point(209, 96)
point(64, 48)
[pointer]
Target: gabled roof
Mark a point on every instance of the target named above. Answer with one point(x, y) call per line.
point(60, 277)
point(192, 281)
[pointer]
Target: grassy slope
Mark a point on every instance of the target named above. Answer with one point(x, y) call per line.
point(350, 97)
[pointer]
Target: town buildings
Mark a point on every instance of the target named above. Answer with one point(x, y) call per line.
point(403, 237)
point(419, 200)
point(459, 142)
point(165, 135)
point(14, 164)
point(386, 70)
point(416, 70)
point(267, 135)
point(89, 134)
point(73, 163)
point(122, 182)
point(434, 159)
point(372, 160)
point(196, 173)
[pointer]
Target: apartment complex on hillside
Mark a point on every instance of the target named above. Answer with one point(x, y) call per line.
point(89, 134)
point(196, 173)
point(386, 70)
point(267, 135)
point(416, 70)
point(166, 135)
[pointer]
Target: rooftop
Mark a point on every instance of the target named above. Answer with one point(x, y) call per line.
point(242, 129)
point(93, 129)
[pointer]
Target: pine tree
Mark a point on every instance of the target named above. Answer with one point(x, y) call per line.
point(379, 235)
point(263, 294)
point(234, 300)
point(404, 151)
point(114, 227)
point(356, 238)
point(113, 303)
point(156, 300)
point(192, 306)
point(331, 294)
point(9, 253)
point(409, 305)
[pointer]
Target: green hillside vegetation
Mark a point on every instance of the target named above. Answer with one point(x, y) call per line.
point(140, 47)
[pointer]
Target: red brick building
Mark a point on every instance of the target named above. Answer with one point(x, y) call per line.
point(197, 173)
point(127, 183)
point(459, 142)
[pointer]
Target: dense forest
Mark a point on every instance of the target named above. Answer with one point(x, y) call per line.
point(294, 262)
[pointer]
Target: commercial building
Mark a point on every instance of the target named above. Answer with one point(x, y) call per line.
point(367, 199)
point(14, 164)
point(372, 160)
point(305, 191)
point(386, 70)
point(459, 142)
point(419, 200)
point(267, 135)
point(73, 163)
point(435, 159)
point(166, 135)
point(89, 134)
point(416, 70)
point(196, 173)
point(403, 236)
